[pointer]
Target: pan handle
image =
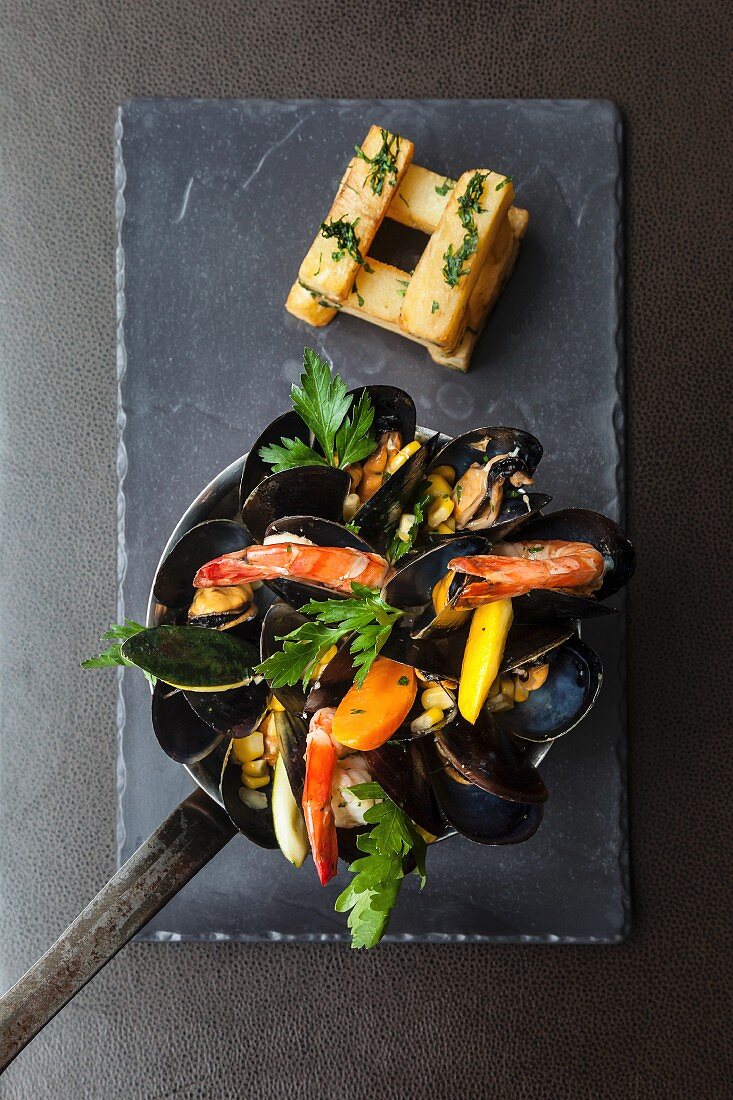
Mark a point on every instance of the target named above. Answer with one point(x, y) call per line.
point(184, 843)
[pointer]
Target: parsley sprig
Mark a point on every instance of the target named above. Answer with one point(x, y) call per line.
point(118, 633)
point(373, 891)
point(365, 615)
point(323, 403)
point(383, 163)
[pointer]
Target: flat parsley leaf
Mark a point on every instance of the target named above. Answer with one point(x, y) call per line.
point(353, 442)
point(373, 891)
point(365, 615)
point(289, 453)
point(111, 657)
point(398, 547)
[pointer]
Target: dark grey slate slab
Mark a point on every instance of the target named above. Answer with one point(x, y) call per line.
point(216, 205)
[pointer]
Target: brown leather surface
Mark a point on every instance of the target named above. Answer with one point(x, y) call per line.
point(647, 1019)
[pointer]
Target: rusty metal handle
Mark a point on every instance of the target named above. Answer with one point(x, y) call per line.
point(173, 854)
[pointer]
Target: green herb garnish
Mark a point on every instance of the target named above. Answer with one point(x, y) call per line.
point(468, 205)
point(445, 187)
point(355, 710)
point(344, 233)
point(373, 891)
point(112, 656)
point(504, 182)
point(353, 527)
point(459, 493)
point(323, 404)
point(435, 306)
point(403, 681)
point(534, 549)
point(365, 615)
point(383, 163)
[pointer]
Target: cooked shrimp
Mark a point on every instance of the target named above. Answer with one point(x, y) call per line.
point(518, 567)
point(320, 761)
point(374, 466)
point(330, 769)
point(334, 567)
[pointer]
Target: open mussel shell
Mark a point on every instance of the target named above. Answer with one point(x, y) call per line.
point(411, 588)
point(477, 814)
point(394, 410)
point(173, 584)
point(235, 713)
point(181, 734)
point(572, 686)
point(255, 469)
point(280, 620)
point(487, 756)
point(251, 815)
point(479, 447)
point(322, 488)
point(322, 532)
point(400, 769)
point(578, 525)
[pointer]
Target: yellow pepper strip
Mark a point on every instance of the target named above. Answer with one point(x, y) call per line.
point(482, 656)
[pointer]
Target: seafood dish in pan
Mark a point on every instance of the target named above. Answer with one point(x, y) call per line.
point(377, 650)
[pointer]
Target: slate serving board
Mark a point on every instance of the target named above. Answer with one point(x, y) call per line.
point(217, 202)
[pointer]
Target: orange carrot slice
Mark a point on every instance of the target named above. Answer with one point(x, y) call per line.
point(368, 716)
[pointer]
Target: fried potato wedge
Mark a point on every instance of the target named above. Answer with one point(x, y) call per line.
point(420, 199)
point(308, 306)
point(435, 308)
point(365, 192)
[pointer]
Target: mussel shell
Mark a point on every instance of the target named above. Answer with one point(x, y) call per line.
point(514, 514)
point(181, 734)
point(394, 410)
point(378, 517)
point(472, 447)
point(431, 656)
point(479, 815)
point(256, 825)
point(280, 620)
point(486, 755)
point(333, 683)
point(323, 488)
point(400, 769)
point(173, 584)
point(411, 588)
point(572, 686)
point(235, 713)
point(528, 644)
point(322, 532)
point(255, 469)
point(582, 525)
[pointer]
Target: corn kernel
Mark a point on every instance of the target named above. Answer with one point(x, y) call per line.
point(248, 748)
point(254, 783)
point(275, 705)
point(435, 696)
point(507, 688)
point(438, 486)
point(439, 511)
point(520, 691)
point(255, 768)
point(402, 456)
point(444, 529)
point(426, 720)
point(351, 504)
point(446, 472)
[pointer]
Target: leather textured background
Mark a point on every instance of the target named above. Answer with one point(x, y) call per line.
point(647, 1019)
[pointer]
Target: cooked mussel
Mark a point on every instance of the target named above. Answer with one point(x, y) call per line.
point(279, 621)
point(476, 813)
point(488, 469)
point(235, 713)
point(488, 757)
point(323, 488)
point(180, 732)
point(255, 469)
point(173, 586)
point(574, 679)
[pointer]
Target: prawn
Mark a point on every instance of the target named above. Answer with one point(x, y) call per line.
point(330, 769)
point(516, 568)
point(334, 567)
